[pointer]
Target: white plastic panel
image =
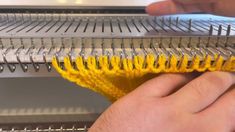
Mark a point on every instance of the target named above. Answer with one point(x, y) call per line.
point(76, 2)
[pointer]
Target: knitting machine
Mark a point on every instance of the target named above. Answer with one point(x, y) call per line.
point(87, 42)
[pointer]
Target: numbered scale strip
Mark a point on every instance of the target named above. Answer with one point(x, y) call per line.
point(49, 129)
point(46, 127)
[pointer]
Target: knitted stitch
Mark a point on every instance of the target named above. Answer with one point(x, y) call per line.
point(115, 77)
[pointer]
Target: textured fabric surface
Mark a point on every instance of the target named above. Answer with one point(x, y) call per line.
point(115, 77)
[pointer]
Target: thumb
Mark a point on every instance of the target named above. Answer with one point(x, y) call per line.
point(169, 7)
point(164, 8)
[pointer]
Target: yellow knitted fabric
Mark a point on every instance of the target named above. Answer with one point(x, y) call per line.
point(115, 77)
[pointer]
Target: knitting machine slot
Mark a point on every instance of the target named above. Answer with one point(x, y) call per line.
point(34, 39)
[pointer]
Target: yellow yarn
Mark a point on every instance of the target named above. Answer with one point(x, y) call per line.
point(115, 77)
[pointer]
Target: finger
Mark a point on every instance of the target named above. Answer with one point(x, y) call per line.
point(224, 7)
point(225, 108)
point(195, 1)
point(164, 84)
point(164, 8)
point(170, 7)
point(203, 91)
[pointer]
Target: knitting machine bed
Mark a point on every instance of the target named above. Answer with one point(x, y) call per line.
point(43, 104)
point(33, 32)
point(29, 41)
point(109, 25)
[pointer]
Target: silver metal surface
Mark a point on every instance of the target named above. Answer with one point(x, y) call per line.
point(109, 25)
point(30, 41)
point(43, 102)
point(48, 129)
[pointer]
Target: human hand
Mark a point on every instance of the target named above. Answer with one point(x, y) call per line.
point(174, 102)
point(219, 7)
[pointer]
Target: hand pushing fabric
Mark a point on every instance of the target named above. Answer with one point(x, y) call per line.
point(218, 7)
point(177, 102)
point(198, 105)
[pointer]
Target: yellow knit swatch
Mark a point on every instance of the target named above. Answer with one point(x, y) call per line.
point(115, 77)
